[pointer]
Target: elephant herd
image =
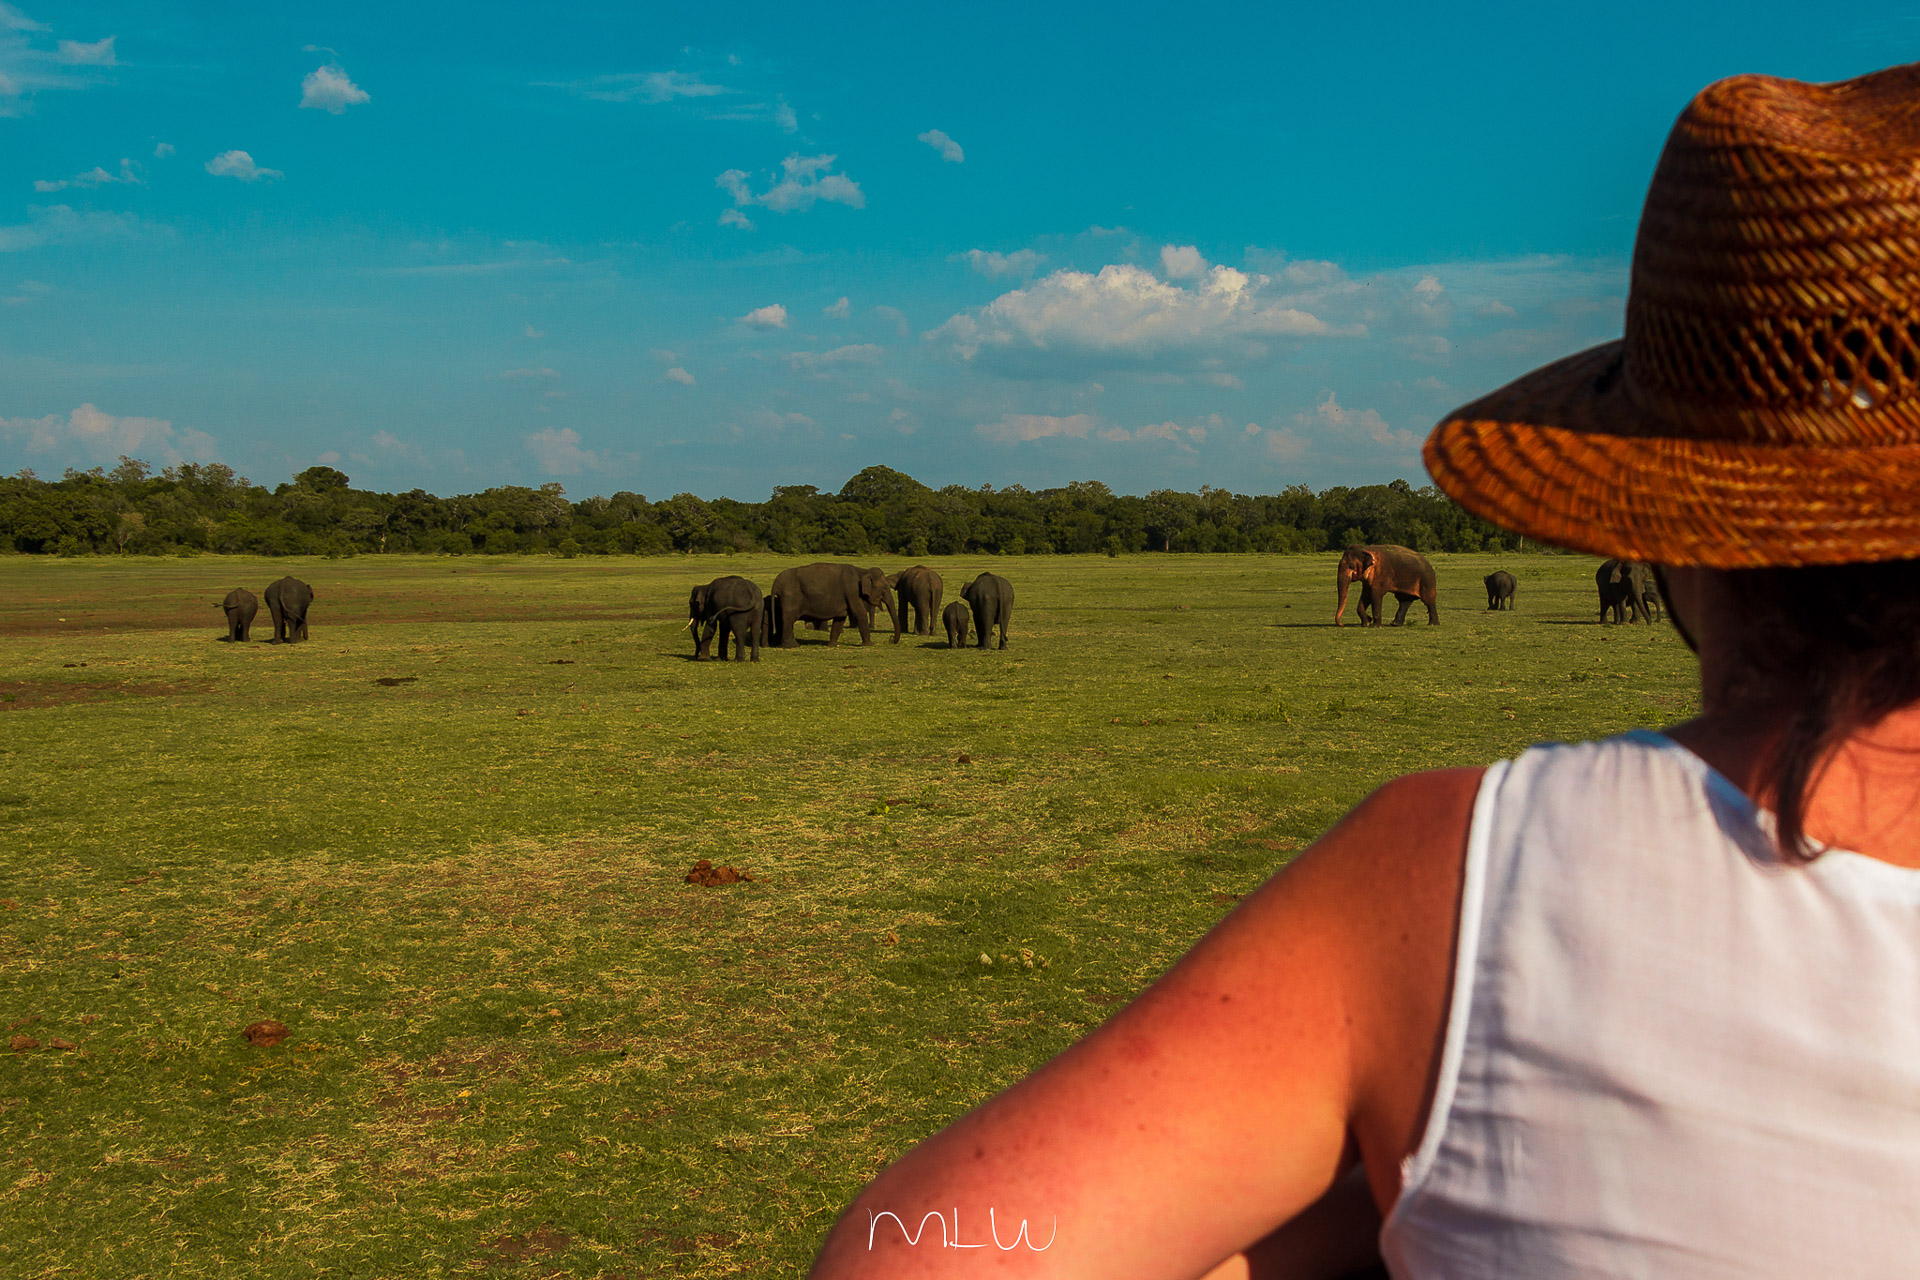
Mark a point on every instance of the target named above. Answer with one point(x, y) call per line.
point(1627, 589)
point(287, 602)
point(830, 595)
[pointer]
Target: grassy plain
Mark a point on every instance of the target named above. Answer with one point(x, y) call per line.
point(521, 1044)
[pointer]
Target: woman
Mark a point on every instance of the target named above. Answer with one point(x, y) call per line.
point(1647, 1006)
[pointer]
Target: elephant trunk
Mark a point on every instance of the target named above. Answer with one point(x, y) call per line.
point(1341, 580)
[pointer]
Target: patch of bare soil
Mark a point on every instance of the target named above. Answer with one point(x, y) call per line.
point(264, 1035)
point(20, 695)
point(706, 874)
point(537, 1243)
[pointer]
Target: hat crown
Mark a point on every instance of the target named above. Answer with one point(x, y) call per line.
point(1775, 290)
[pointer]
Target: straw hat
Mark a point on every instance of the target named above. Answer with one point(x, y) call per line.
point(1764, 405)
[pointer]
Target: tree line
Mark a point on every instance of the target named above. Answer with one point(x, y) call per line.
point(194, 508)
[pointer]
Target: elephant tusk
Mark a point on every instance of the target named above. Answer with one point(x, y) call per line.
point(690, 622)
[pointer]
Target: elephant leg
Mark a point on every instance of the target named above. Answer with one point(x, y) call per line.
point(833, 636)
point(1006, 616)
point(1433, 609)
point(1400, 616)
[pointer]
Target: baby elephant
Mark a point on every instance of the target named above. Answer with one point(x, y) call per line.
point(955, 616)
point(288, 601)
point(240, 605)
point(1499, 590)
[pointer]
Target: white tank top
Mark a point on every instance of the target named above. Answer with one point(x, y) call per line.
point(1668, 1054)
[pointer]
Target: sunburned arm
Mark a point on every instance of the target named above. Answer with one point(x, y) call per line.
point(1226, 1099)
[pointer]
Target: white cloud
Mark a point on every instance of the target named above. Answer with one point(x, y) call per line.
point(783, 117)
point(1368, 422)
point(30, 291)
point(1127, 312)
point(558, 452)
point(541, 372)
point(1021, 262)
point(896, 317)
point(1015, 428)
point(679, 375)
point(803, 181)
point(1231, 382)
point(1285, 445)
point(1181, 262)
point(162, 150)
point(774, 420)
point(862, 353)
point(1493, 307)
point(647, 86)
point(949, 149)
point(771, 316)
point(91, 435)
point(531, 332)
point(58, 224)
point(14, 20)
point(735, 218)
point(94, 177)
point(97, 54)
point(1428, 348)
point(238, 164)
point(1429, 287)
point(838, 311)
point(328, 89)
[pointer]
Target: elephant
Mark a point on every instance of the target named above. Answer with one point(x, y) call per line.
point(955, 618)
point(828, 592)
point(240, 605)
point(920, 590)
point(288, 601)
point(990, 596)
point(1624, 586)
point(731, 607)
point(1400, 571)
point(1650, 603)
point(1500, 590)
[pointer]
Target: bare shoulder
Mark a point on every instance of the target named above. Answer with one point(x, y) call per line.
point(1392, 872)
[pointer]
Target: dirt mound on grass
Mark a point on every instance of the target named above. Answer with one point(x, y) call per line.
point(706, 874)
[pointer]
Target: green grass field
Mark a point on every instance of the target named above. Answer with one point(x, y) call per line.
point(520, 1042)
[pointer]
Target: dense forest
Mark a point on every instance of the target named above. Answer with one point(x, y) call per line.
point(194, 508)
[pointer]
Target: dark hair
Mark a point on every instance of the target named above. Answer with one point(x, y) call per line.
point(1836, 647)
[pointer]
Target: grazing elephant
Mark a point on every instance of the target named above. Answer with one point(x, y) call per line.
point(1400, 571)
point(827, 592)
point(990, 596)
point(955, 617)
point(1500, 590)
point(1624, 586)
point(731, 607)
point(288, 601)
point(240, 604)
point(1650, 603)
point(920, 590)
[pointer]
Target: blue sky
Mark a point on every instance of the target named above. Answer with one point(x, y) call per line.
point(719, 248)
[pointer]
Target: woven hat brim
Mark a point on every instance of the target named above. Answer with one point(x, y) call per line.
point(1561, 456)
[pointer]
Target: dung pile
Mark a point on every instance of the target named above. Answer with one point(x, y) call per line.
point(706, 874)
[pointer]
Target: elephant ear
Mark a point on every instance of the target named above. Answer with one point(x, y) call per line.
point(1619, 571)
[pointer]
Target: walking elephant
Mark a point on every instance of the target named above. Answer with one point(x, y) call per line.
point(1500, 590)
point(288, 601)
point(240, 605)
point(730, 607)
point(827, 592)
point(1624, 586)
point(1400, 571)
point(990, 596)
point(955, 619)
point(920, 590)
